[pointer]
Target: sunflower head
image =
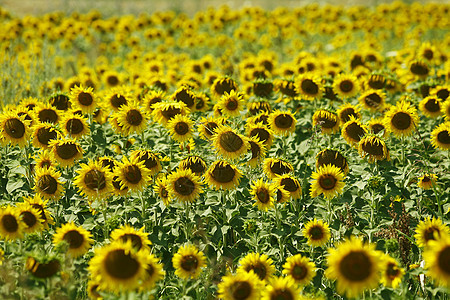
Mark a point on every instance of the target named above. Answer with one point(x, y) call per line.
point(131, 118)
point(151, 98)
point(139, 239)
point(328, 180)
point(74, 125)
point(186, 95)
point(42, 269)
point(373, 147)
point(427, 181)
point(327, 121)
point(60, 101)
point(83, 98)
point(300, 269)
point(47, 183)
point(94, 181)
point(132, 174)
point(184, 185)
point(282, 122)
point(162, 190)
point(163, 112)
point(401, 119)
point(419, 68)
point(260, 264)
point(223, 85)
point(309, 86)
point(258, 107)
point(181, 128)
point(281, 288)
point(228, 143)
point(263, 194)
point(317, 232)
point(346, 111)
point(66, 151)
point(430, 229)
point(333, 157)
point(188, 262)
point(436, 257)
point(373, 100)
point(392, 273)
point(346, 85)
point(262, 132)
point(290, 184)
point(257, 150)
point(14, 128)
point(194, 163)
point(11, 225)
point(377, 127)
point(31, 218)
point(274, 167)
point(151, 160)
point(431, 106)
point(353, 131)
point(223, 175)
point(79, 240)
point(440, 136)
point(242, 285)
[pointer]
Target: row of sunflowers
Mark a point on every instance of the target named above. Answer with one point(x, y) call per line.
point(241, 154)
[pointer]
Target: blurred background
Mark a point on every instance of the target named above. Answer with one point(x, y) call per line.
point(114, 7)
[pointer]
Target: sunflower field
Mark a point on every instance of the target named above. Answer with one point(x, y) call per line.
point(294, 153)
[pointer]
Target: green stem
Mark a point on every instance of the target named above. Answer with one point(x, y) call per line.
point(277, 217)
point(144, 207)
point(438, 200)
point(105, 228)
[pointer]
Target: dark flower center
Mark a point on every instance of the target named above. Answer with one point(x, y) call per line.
point(112, 80)
point(281, 294)
point(118, 101)
point(223, 173)
point(121, 265)
point(374, 148)
point(47, 184)
point(377, 128)
point(259, 270)
point(429, 233)
point(184, 186)
point(44, 135)
point(60, 102)
point(263, 195)
point(280, 168)
point(260, 133)
point(74, 238)
point(419, 69)
point(327, 182)
point(332, 157)
point(150, 161)
point(432, 105)
point(444, 137)
point(133, 174)
point(444, 260)
point(185, 97)
point(48, 115)
point(10, 223)
point(136, 240)
point(316, 233)
point(232, 104)
point(356, 266)
point(355, 131)
point(392, 271)
point(299, 272)
point(29, 218)
point(85, 99)
point(67, 150)
point(196, 166)
point(74, 126)
point(230, 141)
point(289, 184)
point(241, 290)
point(170, 112)
point(134, 117)
point(347, 113)
point(181, 128)
point(14, 128)
point(283, 121)
point(401, 120)
point(95, 180)
point(373, 100)
point(443, 94)
point(210, 128)
point(189, 263)
point(346, 86)
point(255, 149)
point(309, 87)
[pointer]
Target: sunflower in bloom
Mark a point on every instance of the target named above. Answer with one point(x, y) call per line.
point(94, 181)
point(419, 68)
point(47, 183)
point(185, 95)
point(138, 238)
point(346, 111)
point(188, 262)
point(281, 288)
point(241, 286)
point(194, 163)
point(376, 126)
point(346, 85)
point(92, 290)
point(436, 257)
point(43, 134)
point(260, 264)
point(223, 85)
point(445, 109)
point(263, 194)
point(184, 185)
point(259, 107)
point(353, 131)
point(440, 136)
point(181, 128)
point(373, 100)
point(401, 119)
point(373, 147)
point(43, 269)
point(430, 229)
point(74, 125)
point(228, 143)
point(47, 114)
point(260, 131)
point(290, 184)
point(117, 97)
point(392, 273)
point(14, 128)
point(79, 240)
point(31, 217)
point(281, 195)
point(151, 160)
point(231, 104)
point(152, 98)
point(41, 206)
point(317, 232)
point(153, 271)
point(132, 174)
point(118, 267)
point(300, 269)
point(11, 225)
point(208, 126)
point(83, 98)
point(333, 157)
point(274, 167)
point(66, 151)
point(355, 266)
point(430, 106)
point(309, 86)
point(328, 180)
point(131, 118)
point(163, 112)
point(326, 120)
point(257, 151)
point(427, 181)
point(282, 122)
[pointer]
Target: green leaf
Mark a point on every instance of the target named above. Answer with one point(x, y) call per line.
point(12, 185)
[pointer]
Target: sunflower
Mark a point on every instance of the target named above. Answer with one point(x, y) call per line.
point(375, 81)
point(11, 225)
point(47, 183)
point(60, 101)
point(300, 269)
point(92, 290)
point(29, 103)
point(74, 125)
point(401, 119)
point(436, 257)
point(118, 267)
point(66, 151)
point(223, 85)
point(282, 122)
point(184, 185)
point(202, 101)
point(317, 232)
point(185, 95)
point(376, 126)
point(257, 150)
point(346, 85)
point(153, 271)
point(290, 184)
point(262, 118)
point(83, 98)
point(162, 190)
point(373, 147)
point(27, 114)
point(42, 269)
point(327, 180)
point(441, 92)
point(139, 239)
point(419, 68)
point(346, 111)
point(163, 112)
point(440, 136)
point(131, 118)
point(274, 167)
point(41, 206)
point(392, 273)
point(228, 143)
point(14, 129)
point(353, 131)
point(259, 107)
point(326, 120)
point(31, 218)
point(79, 240)
point(355, 266)
point(333, 157)
point(431, 106)
point(208, 126)
point(427, 181)
point(151, 99)
point(262, 132)
point(181, 128)
point(188, 262)
point(281, 288)
point(46, 113)
point(430, 229)
point(241, 286)
point(282, 195)
point(231, 104)
point(194, 163)
point(309, 86)
point(94, 181)
point(222, 175)
point(263, 193)
point(151, 160)
point(43, 133)
point(373, 100)
point(260, 264)
point(132, 174)
point(445, 109)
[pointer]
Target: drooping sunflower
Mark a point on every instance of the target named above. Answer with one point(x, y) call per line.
point(194, 163)
point(186, 95)
point(440, 136)
point(153, 271)
point(47, 114)
point(274, 167)
point(290, 184)
point(118, 267)
point(300, 269)
point(373, 147)
point(282, 195)
point(419, 68)
point(188, 262)
point(47, 183)
point(151, 160)
point(41, 205)
point(356, 267)
point(375, 81)
point(373, 100)
point(43, 133)
point(401, 119)
point(132, 174)
point(437, 257)
point(139, 239)
point(308, 86)
point(163, 112)
point(262, 118)
point(60, 101)
point(79, 240)
point(94, 181)
point(208, 126)
point(257, 150)
point(317, 232)
point(263, 194)
point(181, 128)
point(66, 151)
point(132, 118)
point(392, 273)
point(333, 157)
point(27, 114)
point(223, 85)
point(328, 180)
point(31, 218)
point(241, 286)
point(258, 107)
point(83, 98)
point(184, 185)
point(74, 125)
point(281, 288)
point(228, 143)
point(11, 225)
point(353, 131)
point(262, 132)
point(260, 264)
point(231, 104)
point(14, 128)
point(376, 126)
point(346, 111)
point(346, 85)
point(282, 122)
point(430, 229)
point(43, 269)
point(222, 175)
point(431, 106)
point(202, 101)
point(427, 181)
point(327, 121)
